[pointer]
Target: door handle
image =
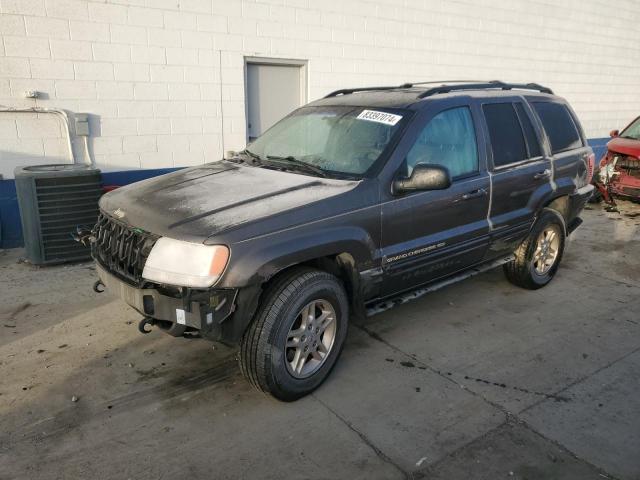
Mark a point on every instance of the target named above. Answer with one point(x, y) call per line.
point(481, 192)
point(544, 174)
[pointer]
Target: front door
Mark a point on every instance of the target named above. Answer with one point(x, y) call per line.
point(430, 234)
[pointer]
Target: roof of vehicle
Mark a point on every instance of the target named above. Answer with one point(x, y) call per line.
point(406, 95)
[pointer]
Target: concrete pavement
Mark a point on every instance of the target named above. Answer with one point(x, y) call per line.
point(479, 380)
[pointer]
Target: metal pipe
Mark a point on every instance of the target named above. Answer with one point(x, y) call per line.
point(54, 111)
point(87, 154)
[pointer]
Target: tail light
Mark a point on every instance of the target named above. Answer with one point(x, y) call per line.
point(591, 164)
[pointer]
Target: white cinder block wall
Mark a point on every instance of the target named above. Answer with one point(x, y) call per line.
point(163, 80)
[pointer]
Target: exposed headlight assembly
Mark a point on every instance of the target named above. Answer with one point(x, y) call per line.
point(185, 264)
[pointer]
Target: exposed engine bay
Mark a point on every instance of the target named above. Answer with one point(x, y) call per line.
point(619, 175)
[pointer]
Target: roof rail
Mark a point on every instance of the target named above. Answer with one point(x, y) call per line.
point(443, 82)
point(446, 87)
point(493, 84)
point(347, 91)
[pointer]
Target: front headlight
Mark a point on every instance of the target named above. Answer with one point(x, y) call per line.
point(185, 264)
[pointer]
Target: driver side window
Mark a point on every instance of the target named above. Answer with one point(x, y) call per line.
point(449, 140)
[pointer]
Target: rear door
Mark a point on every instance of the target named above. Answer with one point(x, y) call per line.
point(430, 234)
point(566, 140)
point(520, 170)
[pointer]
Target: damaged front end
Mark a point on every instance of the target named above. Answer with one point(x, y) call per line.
point(121, 252)
point(178, 311)
point(619, 175)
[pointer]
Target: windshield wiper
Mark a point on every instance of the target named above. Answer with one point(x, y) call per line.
point(254, 156)
point(241, 157)
point(298, 164)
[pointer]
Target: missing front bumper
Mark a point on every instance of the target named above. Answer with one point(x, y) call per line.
point(202, 310)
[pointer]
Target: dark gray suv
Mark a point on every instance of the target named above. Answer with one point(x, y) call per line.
point(349, 205)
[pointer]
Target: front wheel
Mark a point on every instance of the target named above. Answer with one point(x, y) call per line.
point(538, 257)
point(297, 334)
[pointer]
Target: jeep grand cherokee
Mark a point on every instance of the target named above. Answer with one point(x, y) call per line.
point(340, 210)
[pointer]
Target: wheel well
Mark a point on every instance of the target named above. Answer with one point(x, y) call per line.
point(560, 205)
point(342, 266)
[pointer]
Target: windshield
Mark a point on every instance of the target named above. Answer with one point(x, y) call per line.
point(342, 140)
point(632, 131)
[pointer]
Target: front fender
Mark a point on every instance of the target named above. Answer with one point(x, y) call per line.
point(255, 261)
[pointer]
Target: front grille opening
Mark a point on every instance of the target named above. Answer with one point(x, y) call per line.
point(121, 249)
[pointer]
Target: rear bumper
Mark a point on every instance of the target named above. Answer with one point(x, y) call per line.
point(577, 201)
point(202, 310)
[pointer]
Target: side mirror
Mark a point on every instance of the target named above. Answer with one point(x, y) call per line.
point(423, 177)
point(614, 133)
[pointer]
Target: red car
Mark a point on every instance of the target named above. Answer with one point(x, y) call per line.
point(620, 167)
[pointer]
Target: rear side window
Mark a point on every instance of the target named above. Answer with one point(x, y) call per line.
point(507, 140)
point(529, 133)
point(559, 125)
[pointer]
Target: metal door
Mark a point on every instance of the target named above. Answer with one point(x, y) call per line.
point(273, 91)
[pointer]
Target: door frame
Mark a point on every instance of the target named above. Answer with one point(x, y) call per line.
point(272, 61)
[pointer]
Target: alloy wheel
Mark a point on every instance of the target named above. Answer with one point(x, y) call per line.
point(310, 338)
point(547, 248)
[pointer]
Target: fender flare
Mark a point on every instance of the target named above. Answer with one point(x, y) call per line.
point(351, 247)
point(557, 214)
point(260, 260)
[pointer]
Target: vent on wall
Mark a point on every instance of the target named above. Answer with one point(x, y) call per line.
point(56, 200)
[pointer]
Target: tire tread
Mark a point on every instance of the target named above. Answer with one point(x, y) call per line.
point(518, 270)
point(255, 351)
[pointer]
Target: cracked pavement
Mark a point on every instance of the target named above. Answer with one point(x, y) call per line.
point(478, 380)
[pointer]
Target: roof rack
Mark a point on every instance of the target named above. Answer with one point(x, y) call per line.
point(446, 87)
point(443, 82)
point(347, 91)
point(493, 84)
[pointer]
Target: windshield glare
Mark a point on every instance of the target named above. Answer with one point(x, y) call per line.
point(331, 138)
point(632, 131)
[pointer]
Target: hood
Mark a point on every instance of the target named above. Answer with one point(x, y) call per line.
point(627, 146)
point(196, 203)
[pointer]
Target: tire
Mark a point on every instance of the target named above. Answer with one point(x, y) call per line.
point(532, 273)
point(267, 358)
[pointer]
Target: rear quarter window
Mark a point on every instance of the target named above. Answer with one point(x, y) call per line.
point(559, 126)
point(530, 134)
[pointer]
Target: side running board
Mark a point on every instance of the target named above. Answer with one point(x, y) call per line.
point(384, 305)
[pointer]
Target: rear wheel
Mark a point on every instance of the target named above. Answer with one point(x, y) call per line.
point(297, 334)
point(538, 257)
